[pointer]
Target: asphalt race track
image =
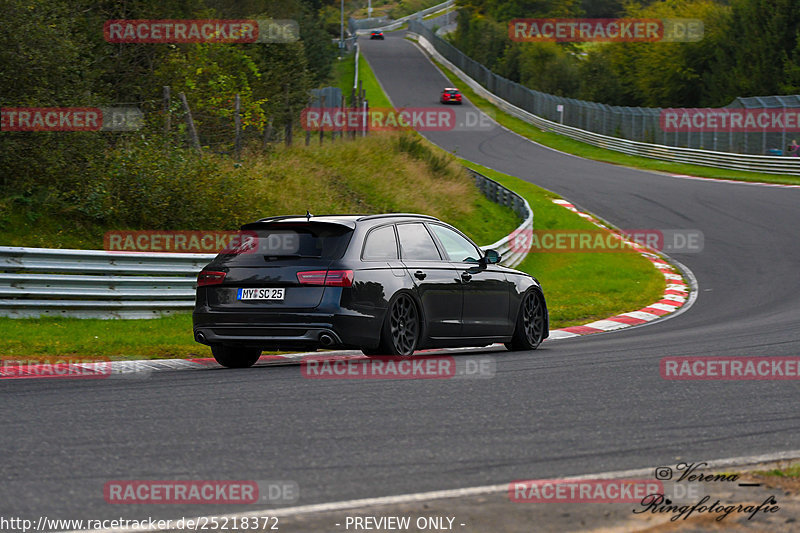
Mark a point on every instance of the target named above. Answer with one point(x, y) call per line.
point(575, 406)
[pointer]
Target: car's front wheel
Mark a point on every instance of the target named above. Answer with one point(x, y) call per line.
point(401, 329)
point(529, 331)
point(235, 356)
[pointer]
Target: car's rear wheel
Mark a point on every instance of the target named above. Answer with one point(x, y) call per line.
point(529, 331)
point(401, 327)
point(235, 356)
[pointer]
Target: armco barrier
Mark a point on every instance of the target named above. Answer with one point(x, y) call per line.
point(728, 160)
point(99, 284)
point(95, 283)
point(364, 26)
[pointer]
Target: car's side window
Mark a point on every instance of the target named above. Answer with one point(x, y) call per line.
point(457, 247)
point(380, 245)
point(416, 243)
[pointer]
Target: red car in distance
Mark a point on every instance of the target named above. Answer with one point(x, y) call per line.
point(450, 95)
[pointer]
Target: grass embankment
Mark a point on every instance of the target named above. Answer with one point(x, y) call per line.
point(570, 146)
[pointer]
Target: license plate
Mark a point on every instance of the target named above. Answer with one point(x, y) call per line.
point(260, 294)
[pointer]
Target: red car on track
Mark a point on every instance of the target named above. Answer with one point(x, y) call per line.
point(450, 95)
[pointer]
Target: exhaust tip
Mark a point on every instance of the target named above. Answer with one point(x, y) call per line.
point(199, 337)
point(326, 340)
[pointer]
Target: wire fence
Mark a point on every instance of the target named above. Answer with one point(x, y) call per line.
point(641, 124)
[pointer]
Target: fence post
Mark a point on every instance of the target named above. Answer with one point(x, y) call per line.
point(167, 114)
point(366, 116)
point(353, 105)
point(343, 104)
point(190, 123)
point(237, 125)
point(321, 110)
point(308, 131)
point(288, 125)
point(267, 133)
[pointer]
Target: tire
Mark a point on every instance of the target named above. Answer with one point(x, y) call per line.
point(402, 327)
point(235, 356)
point(529, 331)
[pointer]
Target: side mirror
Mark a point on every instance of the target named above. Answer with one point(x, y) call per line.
point(492, 257)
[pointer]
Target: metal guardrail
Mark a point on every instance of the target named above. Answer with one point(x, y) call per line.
point(96, 283)
point(399, 22)
point(99, 284)
point(355, 76)
point(695, 156)
point(512, 250)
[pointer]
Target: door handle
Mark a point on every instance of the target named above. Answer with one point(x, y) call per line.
point(419, 274)
point(466, 276)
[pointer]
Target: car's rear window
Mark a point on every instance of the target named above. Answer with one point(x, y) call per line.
point(276, 242)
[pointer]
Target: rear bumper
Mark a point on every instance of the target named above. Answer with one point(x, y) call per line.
point(274, 338)
point(287, 331)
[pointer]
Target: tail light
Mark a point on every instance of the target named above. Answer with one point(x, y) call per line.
point(327, 278)
point(210, 277)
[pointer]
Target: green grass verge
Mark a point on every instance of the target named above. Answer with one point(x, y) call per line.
point(166, 337)
point(570, 146)
point(580, 287)
point(343, 73)
point(790, 471)
point(374, 92)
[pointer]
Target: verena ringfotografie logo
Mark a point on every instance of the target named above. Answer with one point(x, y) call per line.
point(392, 367)
point(605, 30)
point(201, 31)
point(737, 120)
point(730, 368)
point(238, 242)
point(120, 118)
point(583, 490)
point(54, 367)
point(200, 492)
point(391, 119)
point(604, 241)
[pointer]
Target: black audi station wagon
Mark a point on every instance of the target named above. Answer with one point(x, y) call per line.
point(385, 284)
